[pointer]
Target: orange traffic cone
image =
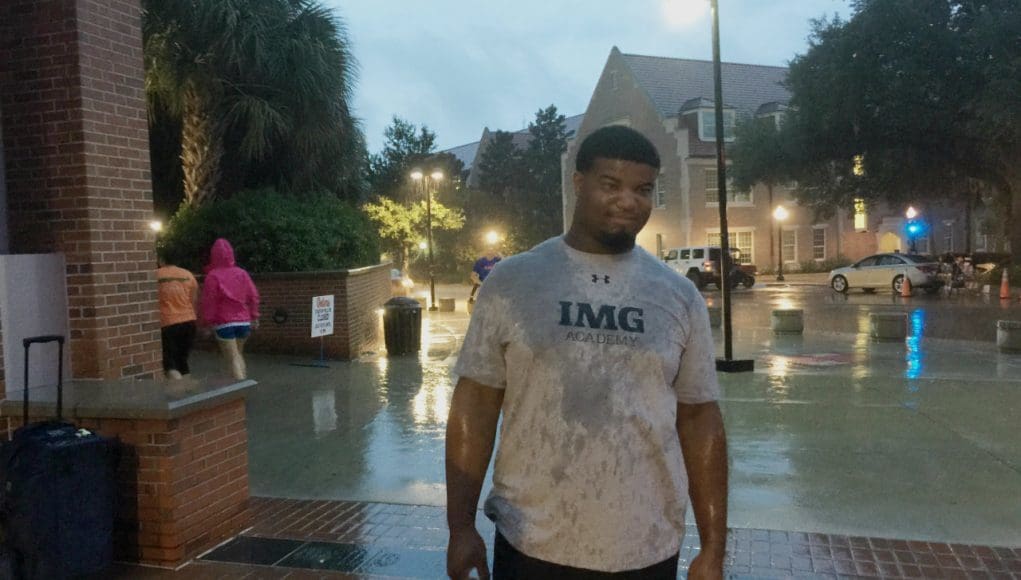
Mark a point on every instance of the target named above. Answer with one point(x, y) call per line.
point(1004, 285)
point(905, 287)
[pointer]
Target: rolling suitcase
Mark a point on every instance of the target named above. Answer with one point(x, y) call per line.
point(57, 492)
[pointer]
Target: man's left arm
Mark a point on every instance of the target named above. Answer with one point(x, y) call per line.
point(704, 443)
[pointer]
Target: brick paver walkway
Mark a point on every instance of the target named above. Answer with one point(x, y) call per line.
point(297, 539)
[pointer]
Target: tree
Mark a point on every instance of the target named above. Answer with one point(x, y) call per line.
point(923, 92)
point(501, 167)
point(259, 88)
point(543, 204)
point(759, 156)
point(402, 226)
point(406, 145)
point(522, 185)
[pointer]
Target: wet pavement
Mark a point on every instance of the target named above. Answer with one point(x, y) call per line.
point(833, 433)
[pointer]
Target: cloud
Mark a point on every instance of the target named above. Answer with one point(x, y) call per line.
point(460, 65)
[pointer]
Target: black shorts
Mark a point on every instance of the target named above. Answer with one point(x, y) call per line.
point(510, 564)
point(177, 342)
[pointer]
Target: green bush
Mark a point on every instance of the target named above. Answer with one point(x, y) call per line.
point(271, 232)
point(811, 266)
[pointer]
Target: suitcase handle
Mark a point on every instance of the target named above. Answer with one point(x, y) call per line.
point(43, 339)
point(28, 342)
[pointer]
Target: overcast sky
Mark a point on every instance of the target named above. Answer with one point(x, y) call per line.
point(460, 65)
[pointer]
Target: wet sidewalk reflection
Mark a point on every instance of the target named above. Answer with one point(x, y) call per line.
point(833, 433)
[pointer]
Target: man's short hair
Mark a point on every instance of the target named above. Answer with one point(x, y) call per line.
point(616, 142)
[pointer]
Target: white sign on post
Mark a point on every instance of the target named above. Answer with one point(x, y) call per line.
point(322, 316)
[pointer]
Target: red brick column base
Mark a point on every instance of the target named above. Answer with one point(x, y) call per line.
point(183, 482)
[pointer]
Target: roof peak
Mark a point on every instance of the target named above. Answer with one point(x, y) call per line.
point(703, 61)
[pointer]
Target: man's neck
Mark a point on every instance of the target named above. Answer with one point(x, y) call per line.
point(589, 244)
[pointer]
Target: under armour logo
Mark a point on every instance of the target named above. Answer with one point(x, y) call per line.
point(595, 279)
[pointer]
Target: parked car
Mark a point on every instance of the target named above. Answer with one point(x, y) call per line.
point(701, 264)
point(887, 271)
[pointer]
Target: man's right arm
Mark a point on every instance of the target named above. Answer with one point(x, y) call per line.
point(471, 435)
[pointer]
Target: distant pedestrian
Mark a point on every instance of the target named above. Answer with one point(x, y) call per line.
point(230, 305)
point(178, 298)
point(480, 271)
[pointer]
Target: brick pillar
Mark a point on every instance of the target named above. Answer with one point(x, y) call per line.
point(77, 154)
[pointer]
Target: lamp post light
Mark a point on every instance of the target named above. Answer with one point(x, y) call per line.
point(779, 214)
point(435, 176)
point(912, 228)
point(492, 238)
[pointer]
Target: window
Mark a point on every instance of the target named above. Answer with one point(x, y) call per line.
point(707, 125)
point(867, 262)
point(698, 254)
point(890, 261)
point(712, 190)
point(711, 187)
point(613, 80)
point(741, 239)
point(819, 243)
point(659, 195)
point(790, 245)
point(686, 254)
point(948, 236)
point(861, 218)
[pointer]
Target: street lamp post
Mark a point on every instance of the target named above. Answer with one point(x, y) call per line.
point(779, 214)
point(434, 176)
point(727, 364)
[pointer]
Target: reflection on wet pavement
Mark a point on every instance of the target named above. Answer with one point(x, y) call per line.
point(833, 433)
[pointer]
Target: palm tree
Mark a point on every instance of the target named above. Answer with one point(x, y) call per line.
point(259, 87)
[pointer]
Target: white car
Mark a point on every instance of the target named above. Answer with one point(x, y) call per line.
point(888, 271)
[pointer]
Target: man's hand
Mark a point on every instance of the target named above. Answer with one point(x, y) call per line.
point(704, 445)
point(471, 433)
point(466, 551)
point(706, 567)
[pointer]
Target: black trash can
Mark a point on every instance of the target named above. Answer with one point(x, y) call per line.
point(402, 326)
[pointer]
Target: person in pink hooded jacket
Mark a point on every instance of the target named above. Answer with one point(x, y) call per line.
point(230, 305)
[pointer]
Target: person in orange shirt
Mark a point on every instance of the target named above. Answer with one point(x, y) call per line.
point(179, 298)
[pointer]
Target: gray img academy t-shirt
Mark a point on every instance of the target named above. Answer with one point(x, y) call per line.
point(594, 352)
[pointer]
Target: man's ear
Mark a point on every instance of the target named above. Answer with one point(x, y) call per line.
point(578, 179)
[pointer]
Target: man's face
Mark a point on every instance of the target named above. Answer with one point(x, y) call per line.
point(614, 201)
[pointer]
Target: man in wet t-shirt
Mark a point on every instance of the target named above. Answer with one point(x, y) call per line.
point(601, 360)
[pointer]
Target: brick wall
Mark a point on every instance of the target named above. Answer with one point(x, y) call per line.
point(358, 295)
point(183, 483)
point(77, 168)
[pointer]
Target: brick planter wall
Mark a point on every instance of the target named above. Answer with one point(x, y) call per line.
point(358, 295)
point(183, 483)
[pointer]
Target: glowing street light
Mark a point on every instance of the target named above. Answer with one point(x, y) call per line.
point(914, 228)
point(492, 237)
point(422, 245)
point(780, 214)
point(421, 177)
